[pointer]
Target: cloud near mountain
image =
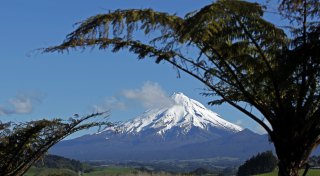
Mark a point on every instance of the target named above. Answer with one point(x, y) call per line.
point(149, 95)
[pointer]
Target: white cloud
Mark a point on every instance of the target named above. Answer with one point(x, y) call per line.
point(149, 95)
point(21, 104)
point(110, 103)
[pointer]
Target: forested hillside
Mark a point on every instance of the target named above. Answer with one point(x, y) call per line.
point(59, 162)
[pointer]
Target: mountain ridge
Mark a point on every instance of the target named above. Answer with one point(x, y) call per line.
point(184, 113)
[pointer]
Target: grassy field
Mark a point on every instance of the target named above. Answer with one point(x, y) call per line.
point(312, 172)
point(101, 171)
point(48, 171)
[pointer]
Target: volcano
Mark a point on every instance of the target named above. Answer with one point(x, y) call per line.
point(183, 129)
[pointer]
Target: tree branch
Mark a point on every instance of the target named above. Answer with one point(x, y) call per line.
point(253, 117)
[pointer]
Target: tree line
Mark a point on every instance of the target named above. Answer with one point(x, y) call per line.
point(261, 163)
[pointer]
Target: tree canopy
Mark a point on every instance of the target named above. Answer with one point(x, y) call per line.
point(261, 163)
point(240, 57)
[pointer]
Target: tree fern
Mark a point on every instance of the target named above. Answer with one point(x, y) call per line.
point(243, 59)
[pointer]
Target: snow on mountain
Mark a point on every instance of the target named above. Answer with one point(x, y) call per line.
point(184, 114)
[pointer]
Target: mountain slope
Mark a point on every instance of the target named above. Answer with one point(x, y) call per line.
point(239, 145)
point(184, 129)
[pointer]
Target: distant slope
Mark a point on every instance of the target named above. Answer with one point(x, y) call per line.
point(240, 145)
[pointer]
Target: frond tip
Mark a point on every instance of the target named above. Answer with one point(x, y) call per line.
point(118, 24)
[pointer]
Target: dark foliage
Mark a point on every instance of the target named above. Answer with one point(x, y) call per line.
point(262, 163)
point(22, 144)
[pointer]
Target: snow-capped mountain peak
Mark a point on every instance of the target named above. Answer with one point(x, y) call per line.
point(181, 99)
point(183, 115)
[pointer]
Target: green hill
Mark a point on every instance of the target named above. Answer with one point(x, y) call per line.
point(34, 171)
point(312, 172)
point(98, 171)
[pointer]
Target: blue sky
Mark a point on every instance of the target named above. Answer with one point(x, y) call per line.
point(35, 85)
